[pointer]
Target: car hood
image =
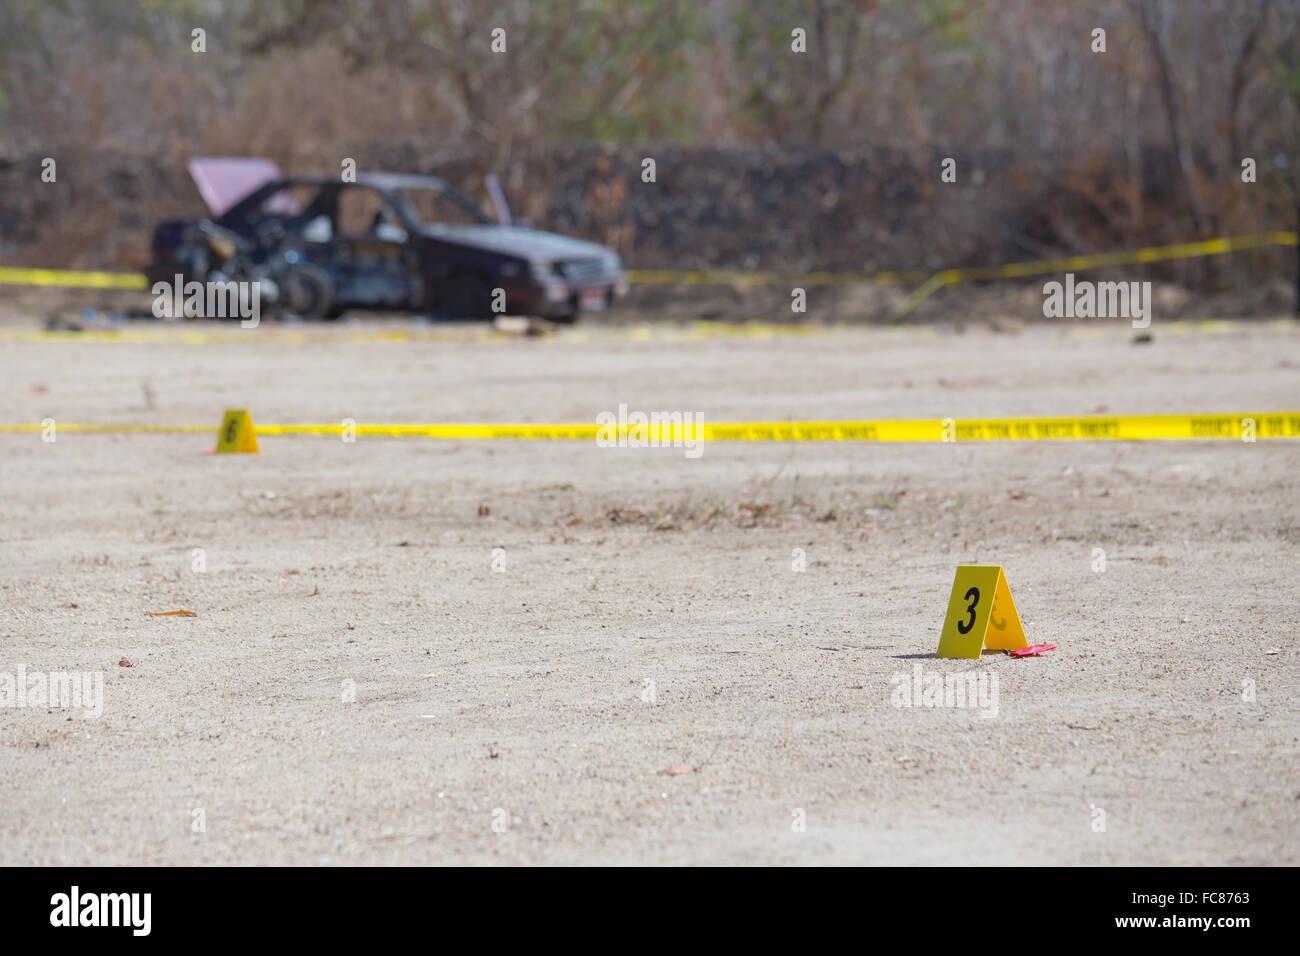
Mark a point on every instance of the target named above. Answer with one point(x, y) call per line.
point(224, 180)
point(517, 241)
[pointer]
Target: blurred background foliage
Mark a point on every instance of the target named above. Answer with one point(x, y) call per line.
point(1072, 150)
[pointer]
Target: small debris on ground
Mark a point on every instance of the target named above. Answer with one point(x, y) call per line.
point(676, 769)
point(1033, 650)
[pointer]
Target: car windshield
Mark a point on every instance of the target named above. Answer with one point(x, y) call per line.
point(437, 207)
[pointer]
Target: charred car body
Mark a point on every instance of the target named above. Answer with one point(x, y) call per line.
point(384, 241)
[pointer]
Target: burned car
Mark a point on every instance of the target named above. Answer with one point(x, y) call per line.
point(384, 241)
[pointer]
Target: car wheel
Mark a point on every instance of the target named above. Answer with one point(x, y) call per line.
point(465, 296)
point(309, 293)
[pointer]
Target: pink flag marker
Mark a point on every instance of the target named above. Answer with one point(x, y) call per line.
point(1033, 650)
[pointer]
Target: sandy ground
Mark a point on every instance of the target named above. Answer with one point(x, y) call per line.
point(520, 697)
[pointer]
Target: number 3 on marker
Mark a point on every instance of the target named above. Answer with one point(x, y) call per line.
point(972, 595)
point(981, 615)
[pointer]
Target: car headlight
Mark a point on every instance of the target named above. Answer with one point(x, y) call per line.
point(542, 268)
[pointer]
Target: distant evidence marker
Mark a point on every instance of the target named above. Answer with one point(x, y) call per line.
point(237, 432)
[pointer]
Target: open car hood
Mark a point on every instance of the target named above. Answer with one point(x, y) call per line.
point(223, 181)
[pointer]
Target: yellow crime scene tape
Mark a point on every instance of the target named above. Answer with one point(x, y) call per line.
point(67, 279)
point(1243, 426)
point(191, 334)
point(1186, 250)
point(662, 332)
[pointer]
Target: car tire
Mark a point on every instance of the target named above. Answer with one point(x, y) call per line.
point(464, 296)
point(309, 293)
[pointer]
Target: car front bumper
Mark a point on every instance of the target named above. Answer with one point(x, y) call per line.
point(559, 298)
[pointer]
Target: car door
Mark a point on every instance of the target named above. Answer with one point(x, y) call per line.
point(374, 263)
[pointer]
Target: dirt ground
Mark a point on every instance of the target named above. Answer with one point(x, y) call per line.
point(647, 615)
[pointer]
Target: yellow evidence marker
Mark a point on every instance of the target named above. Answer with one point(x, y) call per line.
point(981, 614)
point(237, 432)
